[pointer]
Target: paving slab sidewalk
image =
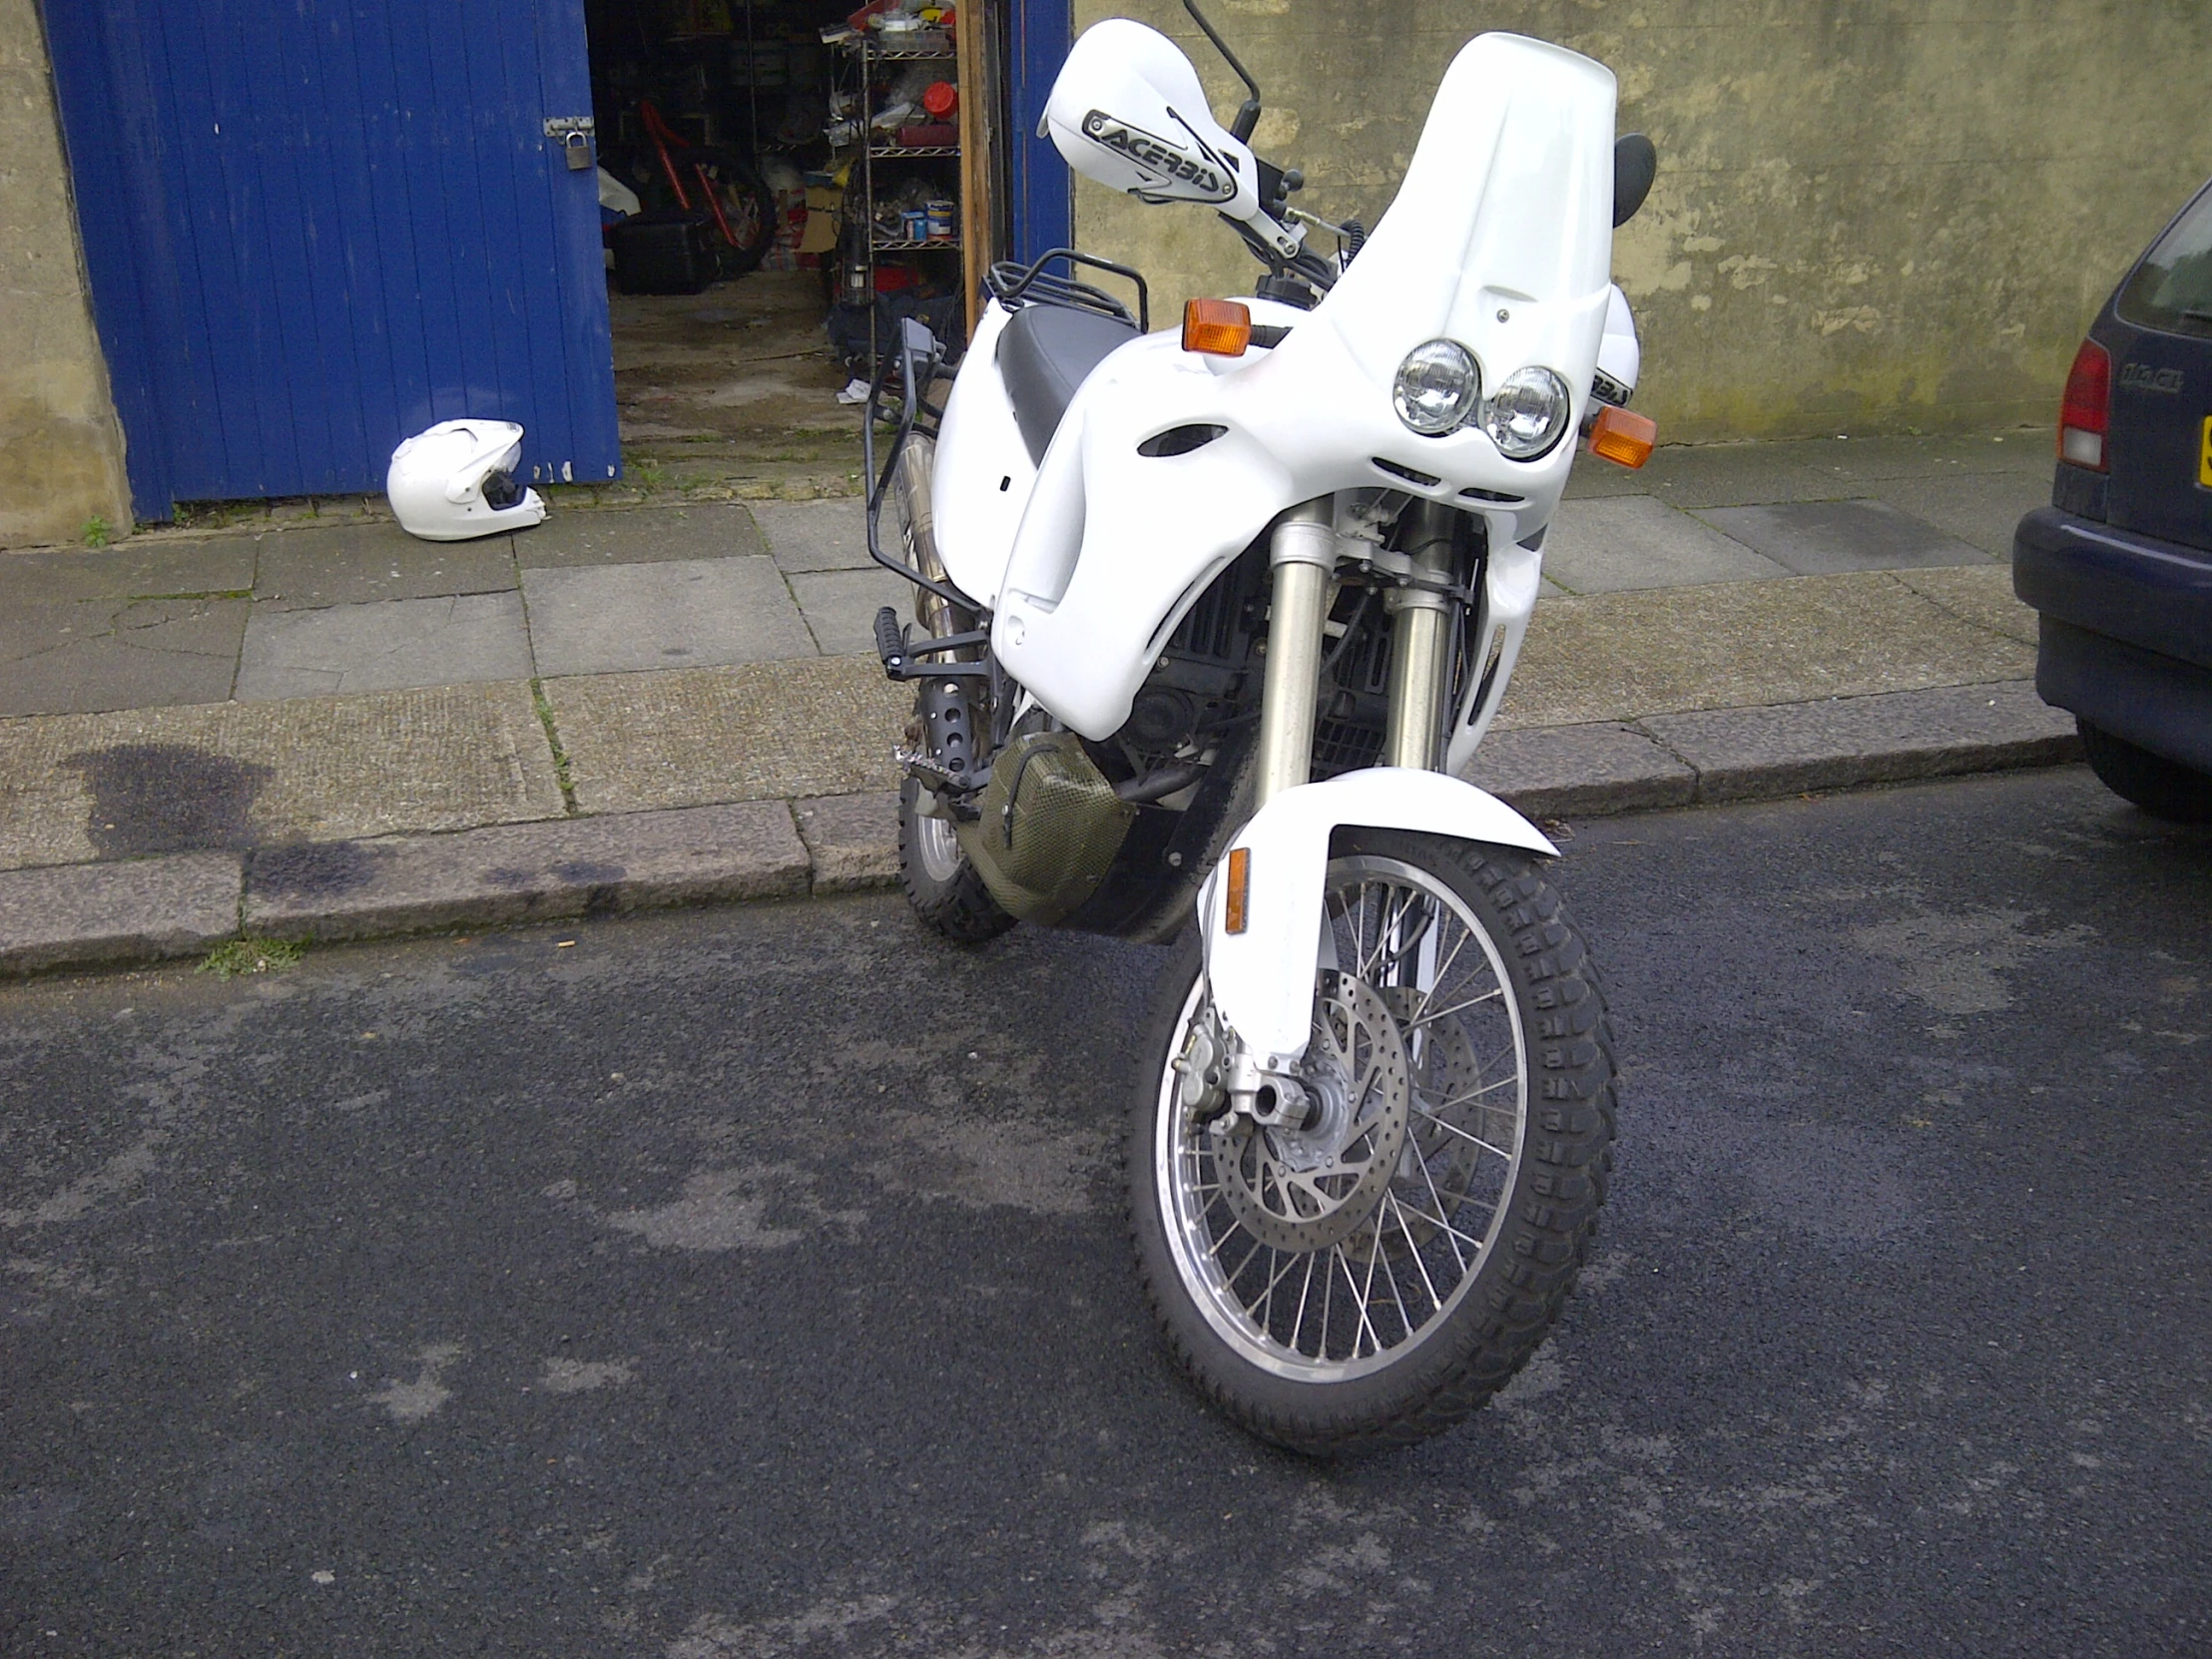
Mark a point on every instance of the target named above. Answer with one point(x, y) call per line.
point(312, 731)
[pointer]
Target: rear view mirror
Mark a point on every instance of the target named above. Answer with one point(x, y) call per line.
point(1635, 164)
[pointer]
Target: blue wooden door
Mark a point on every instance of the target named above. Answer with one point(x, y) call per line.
point(315, 227)
point(1041, 213)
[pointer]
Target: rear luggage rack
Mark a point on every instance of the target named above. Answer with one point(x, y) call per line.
point(1013, 286)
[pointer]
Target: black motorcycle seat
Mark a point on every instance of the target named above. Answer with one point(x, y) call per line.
point(1044, 353)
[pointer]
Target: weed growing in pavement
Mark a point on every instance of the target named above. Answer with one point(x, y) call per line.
point(253, 956)
point(553, 741)
point(96, 531)
point(217, 515)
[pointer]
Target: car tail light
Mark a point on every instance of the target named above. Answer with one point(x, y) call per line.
point(2083, 412)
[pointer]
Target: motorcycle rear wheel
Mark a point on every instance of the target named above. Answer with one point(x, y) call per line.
point(1343, 1333)
point(939, 881)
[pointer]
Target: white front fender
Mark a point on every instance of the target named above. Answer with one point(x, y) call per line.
point(1263, 978)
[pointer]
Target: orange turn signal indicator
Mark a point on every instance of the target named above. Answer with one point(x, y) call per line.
point(1219, 327)
point(1240, 883)
point(1623, 438)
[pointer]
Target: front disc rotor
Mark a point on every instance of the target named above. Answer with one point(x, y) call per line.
point(1311, 1187)
point(1438, 1166)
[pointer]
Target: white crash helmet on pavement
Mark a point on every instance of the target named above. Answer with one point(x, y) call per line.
point(456, 481)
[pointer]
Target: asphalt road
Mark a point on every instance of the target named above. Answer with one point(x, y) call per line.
point(752, 1282)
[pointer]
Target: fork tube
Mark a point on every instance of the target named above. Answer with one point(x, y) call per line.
point(1420, 644)
point(1304, 553)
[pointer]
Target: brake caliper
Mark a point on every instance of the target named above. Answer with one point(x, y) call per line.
point(1203, 1092)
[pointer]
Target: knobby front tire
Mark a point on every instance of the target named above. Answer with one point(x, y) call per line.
point(1321, 1303)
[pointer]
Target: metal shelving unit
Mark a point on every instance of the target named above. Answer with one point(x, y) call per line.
point(870, 57)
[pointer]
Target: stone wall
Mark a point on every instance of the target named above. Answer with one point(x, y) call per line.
point(60, 449)
point(1871, 215)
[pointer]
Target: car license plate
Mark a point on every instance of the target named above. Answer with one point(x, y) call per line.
point(2204, 455)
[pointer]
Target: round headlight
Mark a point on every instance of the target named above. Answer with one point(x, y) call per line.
point(1438, 386)
point(1528, 414)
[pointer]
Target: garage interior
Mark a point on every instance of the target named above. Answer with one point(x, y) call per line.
point(818, 152)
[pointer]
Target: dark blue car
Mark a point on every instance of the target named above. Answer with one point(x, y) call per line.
point(2119, 565)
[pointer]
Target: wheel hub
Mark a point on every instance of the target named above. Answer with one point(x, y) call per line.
point(1311, 1187)
point(940, 848)
point(1324, 1119)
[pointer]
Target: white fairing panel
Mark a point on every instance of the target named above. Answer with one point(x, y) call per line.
point(983, 476)
point(1500, 238)
point(1510, 583)
point(1619, 356)
point(1090, 594)
point(1263, 978)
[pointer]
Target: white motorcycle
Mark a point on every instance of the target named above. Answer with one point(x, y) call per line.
point(1208, 621)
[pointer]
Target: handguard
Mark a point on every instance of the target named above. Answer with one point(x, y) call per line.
point(1261, 977)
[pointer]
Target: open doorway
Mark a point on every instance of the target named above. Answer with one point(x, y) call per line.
point(780, 180)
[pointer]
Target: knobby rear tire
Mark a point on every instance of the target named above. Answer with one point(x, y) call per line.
point(939, 881)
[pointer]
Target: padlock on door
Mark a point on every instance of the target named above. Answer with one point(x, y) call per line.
point(573, 132)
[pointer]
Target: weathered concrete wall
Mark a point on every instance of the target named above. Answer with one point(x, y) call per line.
point(60, 449)
point(1872, 214)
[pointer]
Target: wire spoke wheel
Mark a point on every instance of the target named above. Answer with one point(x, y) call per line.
point(1403, 1245)
point(1308, 1186)
point(1358, 1274)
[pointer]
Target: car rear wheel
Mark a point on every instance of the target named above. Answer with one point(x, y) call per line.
point(2164, 789)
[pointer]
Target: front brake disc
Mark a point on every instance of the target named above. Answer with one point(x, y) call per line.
point(1438, 1164)
point(1312, 1187)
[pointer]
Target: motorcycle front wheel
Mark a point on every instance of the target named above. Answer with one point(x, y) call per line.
point(1372, 1274)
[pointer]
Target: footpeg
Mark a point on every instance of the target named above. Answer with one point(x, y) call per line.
point(890, 643)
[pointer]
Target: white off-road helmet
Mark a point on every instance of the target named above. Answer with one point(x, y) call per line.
point(456, 481)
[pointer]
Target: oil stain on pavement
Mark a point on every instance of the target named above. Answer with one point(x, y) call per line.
point(148, 799)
